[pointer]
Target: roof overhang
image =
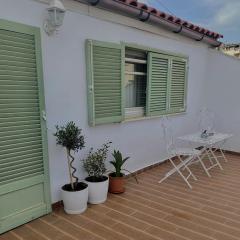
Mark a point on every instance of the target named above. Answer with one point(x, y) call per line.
point(144, 13)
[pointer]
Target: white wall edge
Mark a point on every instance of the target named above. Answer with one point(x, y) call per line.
point(108, 16)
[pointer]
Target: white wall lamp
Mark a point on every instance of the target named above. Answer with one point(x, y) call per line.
point(56, 12)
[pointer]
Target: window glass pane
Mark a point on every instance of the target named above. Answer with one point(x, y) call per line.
point(132, 53)
point(135, 90)
point(141, 91)
point(135, 79)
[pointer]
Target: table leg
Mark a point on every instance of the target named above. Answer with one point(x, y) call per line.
point(215, 158)
point(223, 155)
point(209, 157)
point(203, 165)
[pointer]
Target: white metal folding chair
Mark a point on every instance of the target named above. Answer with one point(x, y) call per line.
point(173, 151)
point(207, 122)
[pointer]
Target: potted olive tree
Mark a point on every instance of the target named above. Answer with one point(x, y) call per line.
point(116, 178)
point(94, 164)
point(75, 193)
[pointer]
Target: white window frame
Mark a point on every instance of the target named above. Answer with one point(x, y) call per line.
point(135, 112)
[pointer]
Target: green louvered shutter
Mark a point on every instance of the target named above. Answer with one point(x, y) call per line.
point(24, 186)
point(178, 81)
point(104, 70)
point(157, 84)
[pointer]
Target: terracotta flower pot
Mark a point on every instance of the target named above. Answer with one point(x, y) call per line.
point(116, 184)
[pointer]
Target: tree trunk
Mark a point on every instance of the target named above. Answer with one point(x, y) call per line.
point(69, 168)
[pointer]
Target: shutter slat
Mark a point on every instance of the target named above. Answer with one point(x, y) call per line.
point(35, 162)
point(14, 63)
point(17, 49)
point(7, 94)
point(6, 181)
point(105, 62)
point(21, 148)
point(20, 154)
point(19, 59)
point(20, 131)
point(17, 44)
point(20, 84)
point(178, 82)
point(20, 159)
point(5, 87)
point(20, 125)
point(17, 35)
point(17, 78)
point(12, 103)
point(157, 84)
point(18, 114)
point(17, 73)
point(4, 36)
point(23, 174)
point(18, 68)
point(29, 56)
point(13, 109)
point(27, 137)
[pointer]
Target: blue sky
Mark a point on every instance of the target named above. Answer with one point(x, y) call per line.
point(221, 16)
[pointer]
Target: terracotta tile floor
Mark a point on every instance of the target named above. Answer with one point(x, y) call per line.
point(148, 211)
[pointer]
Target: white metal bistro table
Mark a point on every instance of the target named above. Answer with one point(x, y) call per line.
point(209, 146)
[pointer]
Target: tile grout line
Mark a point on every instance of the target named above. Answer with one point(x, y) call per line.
point(195, 213)
point(81, 227)
point(191, 198)
point(204, 205)
point(180, 204)
point(16, 235)
point(59, 229)
point(211, 229)
point(179, 185)
point(120, 232)
point(36, 231)
point(163, 219)
point(130, 215)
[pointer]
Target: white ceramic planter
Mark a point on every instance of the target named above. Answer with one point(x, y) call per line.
point(75, 202)
point(97, 191)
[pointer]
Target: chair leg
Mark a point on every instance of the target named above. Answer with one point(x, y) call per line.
point(203, 165)
point(168, 174)
point(188, 169)
point(185, 179)
point(163, 179)
point(176, 169)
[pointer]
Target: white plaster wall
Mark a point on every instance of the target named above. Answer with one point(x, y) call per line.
point(65, 87)
point(222, 95)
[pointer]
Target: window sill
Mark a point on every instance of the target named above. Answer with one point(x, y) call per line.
point(134, 112)
point(152, 117)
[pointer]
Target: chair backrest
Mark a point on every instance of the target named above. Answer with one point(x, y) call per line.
point(206, 120)
point(168, 134)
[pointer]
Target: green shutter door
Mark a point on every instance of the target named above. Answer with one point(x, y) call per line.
point(177, 85)
point(157, 84)
point(105, 74)
point(24, 185)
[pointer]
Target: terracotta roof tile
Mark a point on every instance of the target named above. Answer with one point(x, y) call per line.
point(171, 18)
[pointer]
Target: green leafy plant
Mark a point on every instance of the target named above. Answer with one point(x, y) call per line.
point(118, 163)
point(94, 164)
point(69, 136)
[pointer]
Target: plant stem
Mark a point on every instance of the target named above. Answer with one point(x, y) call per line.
point(69, 168)
point(74, 169)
